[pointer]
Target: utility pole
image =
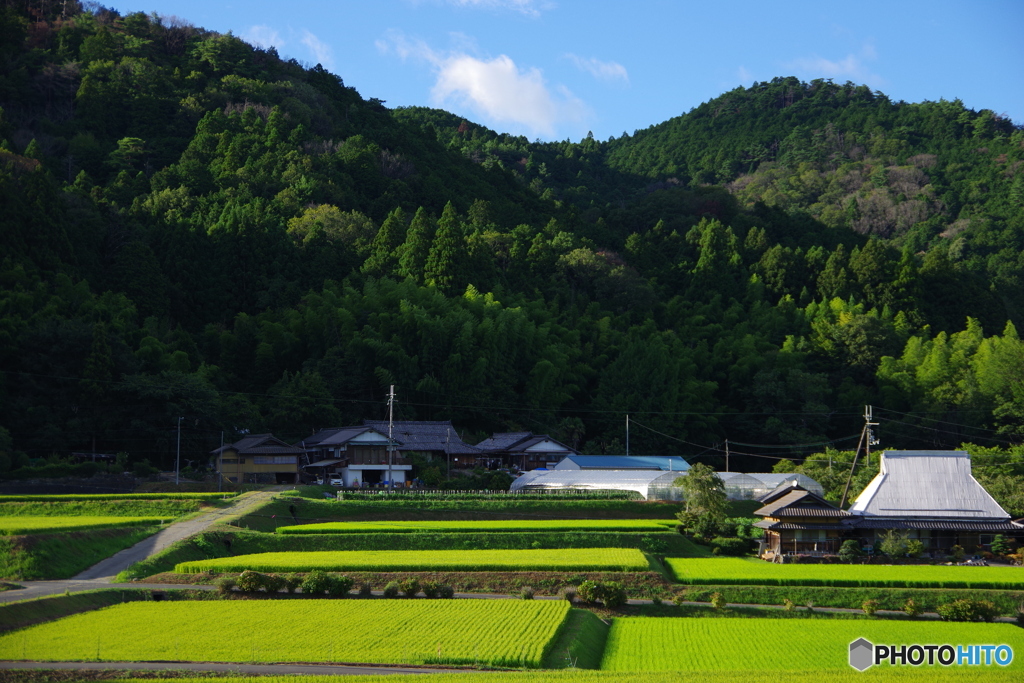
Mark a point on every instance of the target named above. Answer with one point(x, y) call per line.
point(447, 449)
point(866, 437)
point(627, 436)
point(391, 428)
point(177, 459)
point(220, 462)
point(870, 440)
point(727, 454)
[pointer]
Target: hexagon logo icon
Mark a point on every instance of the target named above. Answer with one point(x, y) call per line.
point(862, 654)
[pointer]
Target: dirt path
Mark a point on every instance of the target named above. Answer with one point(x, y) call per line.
point(109, 568)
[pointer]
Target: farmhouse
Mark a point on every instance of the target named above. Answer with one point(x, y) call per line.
point(523, 450)
point(799, 521)
point(258, 459)
point(356, 455)
point(931, 496)
point(435, 439)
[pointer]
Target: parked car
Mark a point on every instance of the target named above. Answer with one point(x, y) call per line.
point(337, 481)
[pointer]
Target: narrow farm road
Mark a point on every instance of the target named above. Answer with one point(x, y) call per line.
point(108, 568)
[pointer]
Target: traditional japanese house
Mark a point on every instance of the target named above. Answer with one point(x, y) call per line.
point(799, 521)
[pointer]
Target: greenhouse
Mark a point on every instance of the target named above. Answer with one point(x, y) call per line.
point(748, 486)
point(651, 484)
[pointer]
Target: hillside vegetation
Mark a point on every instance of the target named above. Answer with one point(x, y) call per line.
point(195, 227)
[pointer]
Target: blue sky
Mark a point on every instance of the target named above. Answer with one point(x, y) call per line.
point(556, 69)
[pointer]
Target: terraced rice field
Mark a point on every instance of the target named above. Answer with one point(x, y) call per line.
point(679, 644)
point(10, 526)
point(732, 570)
point(626, 525)
point(582, 676)
point(510, 633)
point(578, 559)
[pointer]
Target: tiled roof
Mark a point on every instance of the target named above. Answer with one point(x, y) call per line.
point(501, 441)
point(425, 436)
point(257, 444)
point(941, 525)
point(794, 526)
point(800, 503)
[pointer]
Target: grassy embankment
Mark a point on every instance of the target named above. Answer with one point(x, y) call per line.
point(61, 555)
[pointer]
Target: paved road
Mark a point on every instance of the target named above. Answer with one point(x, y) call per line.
point(109, 568)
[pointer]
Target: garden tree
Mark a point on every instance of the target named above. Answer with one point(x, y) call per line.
point(443, 267)
point(412, 256)
point(383, 259)
point(894, 544)
point(849, 551)
point(706, 503)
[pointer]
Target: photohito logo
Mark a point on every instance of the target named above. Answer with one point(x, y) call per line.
point(864, 654)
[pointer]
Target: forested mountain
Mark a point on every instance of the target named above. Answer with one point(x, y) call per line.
point(193, 227)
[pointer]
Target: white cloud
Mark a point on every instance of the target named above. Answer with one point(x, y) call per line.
point(852, 67)
point(604, 71)
point(321, 50)
point(263, 36)
point(745, 76)
point(531, 8)
point(497, 89)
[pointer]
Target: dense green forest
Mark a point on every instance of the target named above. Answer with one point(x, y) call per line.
point(193, 227)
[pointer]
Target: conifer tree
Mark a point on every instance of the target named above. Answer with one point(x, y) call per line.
point(412, 256)
point(447, 253)
point(383, 258)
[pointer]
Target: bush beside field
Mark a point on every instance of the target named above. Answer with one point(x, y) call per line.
point(13, 526)
point(582, 559)
point(100, 508)
point(757, 572)
point(498, 526)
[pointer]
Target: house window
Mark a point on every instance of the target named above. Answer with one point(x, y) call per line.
point(230, 461)
point(274, 460)
point(985, 539)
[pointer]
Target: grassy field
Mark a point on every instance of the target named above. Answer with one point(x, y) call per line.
point(584, 676)
point(463, 632)
point(583, 559)
point(519, 525)
point(731, 570)
point(666, 644)
point(62, 555)
point(101, 508)
point(928, 599)
point(12, 526)
point(79, 497)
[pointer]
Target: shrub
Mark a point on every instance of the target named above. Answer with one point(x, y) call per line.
point(339, 586)
point(788, 605)
point(292, 582)
point(1000, 546)
point(316, 583)
point(365, 590)
point(588, 592)
point(915, 548)
point(716, 551)
point(911, 608)
point(1020, 615)
point(225, 585)
point(613, 594)
point(968, 610)
point(409, 587)
point(870, 607)
point(526, 592)
point(274, 583)
point(655, 601)
point(391, 590)
point(430, 589)
point(568, 593)
point(956, 553)
point(849, 551)
point(250, 581)
point(717, 601)
point(730, 546)
point(678, 599)
point(446, 592)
